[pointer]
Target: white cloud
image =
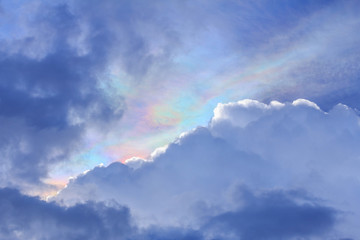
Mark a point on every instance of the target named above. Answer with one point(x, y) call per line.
point(250, 110)
point(134, 162)
point(264, 146)
point(304, 102)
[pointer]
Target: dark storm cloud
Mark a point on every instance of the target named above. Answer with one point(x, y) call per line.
point(23, 217)
point(275, 215)
point(272, 215)
point(40, 89)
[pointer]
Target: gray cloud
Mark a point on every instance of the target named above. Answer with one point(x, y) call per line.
point(25, 217)
point(49, 93)
point(272, 215)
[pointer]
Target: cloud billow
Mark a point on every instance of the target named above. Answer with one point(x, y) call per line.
point(296, 160)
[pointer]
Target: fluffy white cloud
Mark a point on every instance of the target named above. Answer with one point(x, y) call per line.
point(292, 147)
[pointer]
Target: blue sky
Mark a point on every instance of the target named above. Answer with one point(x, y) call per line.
point(138, 114)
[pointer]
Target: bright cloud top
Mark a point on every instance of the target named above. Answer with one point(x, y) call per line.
point(272, 160)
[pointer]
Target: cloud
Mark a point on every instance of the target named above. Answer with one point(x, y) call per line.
point(273, 215)
point(27, 153)
point(70, 69)
point(59, 60)
point(25, 217)
point(49, 96)
point(284, 146)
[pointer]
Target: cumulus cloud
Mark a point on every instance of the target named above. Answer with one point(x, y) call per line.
point(57, 94)
point(273, 149)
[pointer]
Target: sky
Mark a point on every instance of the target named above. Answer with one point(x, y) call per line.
point(211, 120)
